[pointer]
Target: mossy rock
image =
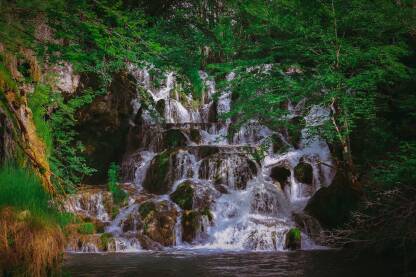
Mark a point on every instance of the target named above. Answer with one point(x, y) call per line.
point(175, 138)
point(332, 206)
point(107, 242)
point(183, 195)
point(191, 223)
point(304, 173)
point(157, 176)
point(145, 208)
point(293, 239)
point(195, 135)
point(160, 107)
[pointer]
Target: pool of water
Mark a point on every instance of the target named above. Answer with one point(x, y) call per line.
point(203, 263)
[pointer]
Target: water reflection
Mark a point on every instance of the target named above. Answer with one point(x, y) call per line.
point(186, 263)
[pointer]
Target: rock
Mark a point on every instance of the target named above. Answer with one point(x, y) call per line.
point(192, 223)
point(67, 81)
point(195, 135)
point(279, 146)
point(295, 130)
point(213, 113)
point(174, 138)
point(148, 244)
point(159, 222)
point(293, 239)
point(183, 195)
point(304, 173)
point(280, 174)
point(107, 242)
point(103, 125)
point(160, 107)
point(157, 176)
point(309, 225)
point(332, 205)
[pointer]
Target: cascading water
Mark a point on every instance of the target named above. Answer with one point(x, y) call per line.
point(194, 186)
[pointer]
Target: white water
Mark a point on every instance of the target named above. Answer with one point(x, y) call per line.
point(250, 210)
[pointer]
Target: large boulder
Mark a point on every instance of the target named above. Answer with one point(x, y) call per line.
point(194, 223)
point(157, 178)
point(332, 205)
point(308, 225)
point(183, 195)
point(159, 220)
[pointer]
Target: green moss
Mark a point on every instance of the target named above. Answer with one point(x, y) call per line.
point(145, 208)
point(119, 195)
point(86, 228)
point(207, 213)
point(183, 195)
point(304, 173)
point(105, 239)
point(295, 234)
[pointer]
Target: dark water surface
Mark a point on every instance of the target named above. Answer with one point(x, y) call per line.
point(187, 263)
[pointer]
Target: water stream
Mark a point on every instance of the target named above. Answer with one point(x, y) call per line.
point(242, 199)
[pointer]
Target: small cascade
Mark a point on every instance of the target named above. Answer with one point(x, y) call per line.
point(193, 185)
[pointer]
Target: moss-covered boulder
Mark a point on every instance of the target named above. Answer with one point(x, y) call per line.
point(304, 173)
point(175, 138)
point(295, 130)
point(192, 223)
point(157, 176)
point(159, 220)
point(183, 195)
point(332, 205)
point(293, 239)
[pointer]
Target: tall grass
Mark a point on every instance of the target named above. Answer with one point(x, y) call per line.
point(22, 190)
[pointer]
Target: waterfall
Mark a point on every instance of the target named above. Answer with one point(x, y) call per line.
point(194, 186)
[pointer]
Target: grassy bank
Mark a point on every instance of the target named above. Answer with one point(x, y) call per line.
point(31, 237)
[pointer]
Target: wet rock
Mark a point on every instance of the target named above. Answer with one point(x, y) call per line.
point(332, 206)
point(280, 174)
point(304, 173)
point(183, 195)
point(157, 177)
point(205, 151)
point(213, 113)
point(107, 242)
point(279, 146)
point(160, 107)
point(149, 244)
point(309, 225)
point(293, 239)
point(265, 201)
point(159, 222)
point(193, 223)
point(174, 138)
point(195, 135)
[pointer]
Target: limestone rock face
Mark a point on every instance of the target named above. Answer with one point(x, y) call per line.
point(104, 124)
point(67, 81)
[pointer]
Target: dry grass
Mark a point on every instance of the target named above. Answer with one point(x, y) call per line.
point(29, 246)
